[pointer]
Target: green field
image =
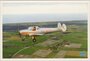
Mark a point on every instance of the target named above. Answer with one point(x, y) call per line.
point(75, 34)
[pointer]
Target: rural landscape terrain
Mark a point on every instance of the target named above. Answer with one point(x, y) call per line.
point(49, 45)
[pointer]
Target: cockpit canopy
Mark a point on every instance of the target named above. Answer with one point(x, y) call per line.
point(31, 28)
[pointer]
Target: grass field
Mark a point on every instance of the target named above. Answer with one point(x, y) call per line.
point(75, 34)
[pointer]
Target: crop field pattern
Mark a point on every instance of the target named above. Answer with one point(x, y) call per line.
point(47, 46)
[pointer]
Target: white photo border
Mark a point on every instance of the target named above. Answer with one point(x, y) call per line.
point(46, 59)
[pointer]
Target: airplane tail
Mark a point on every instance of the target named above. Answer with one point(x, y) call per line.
point(62, 27)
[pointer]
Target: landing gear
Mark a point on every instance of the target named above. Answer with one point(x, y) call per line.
point(23, 37)
point(33, 39)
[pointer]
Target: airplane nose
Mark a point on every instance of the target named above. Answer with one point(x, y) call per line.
point(19, 34)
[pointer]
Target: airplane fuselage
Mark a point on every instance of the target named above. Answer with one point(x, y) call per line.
point(40, 31)
point(35, 30)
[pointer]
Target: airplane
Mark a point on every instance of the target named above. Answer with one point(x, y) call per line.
point(37, 31)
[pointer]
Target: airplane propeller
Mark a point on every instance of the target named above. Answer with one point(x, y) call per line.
point(19, 35)
point(22, 39)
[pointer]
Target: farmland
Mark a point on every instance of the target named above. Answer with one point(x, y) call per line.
point(13, 47)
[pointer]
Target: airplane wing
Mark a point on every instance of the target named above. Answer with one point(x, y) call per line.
point(37, 33)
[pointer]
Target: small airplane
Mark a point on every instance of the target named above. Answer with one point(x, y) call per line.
point(37, 31)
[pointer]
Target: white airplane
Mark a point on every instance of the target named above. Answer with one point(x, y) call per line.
point(35, 31)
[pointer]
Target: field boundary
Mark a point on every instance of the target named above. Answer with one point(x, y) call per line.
point(20, 51)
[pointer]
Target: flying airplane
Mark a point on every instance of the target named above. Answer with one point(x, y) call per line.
point(37, 31)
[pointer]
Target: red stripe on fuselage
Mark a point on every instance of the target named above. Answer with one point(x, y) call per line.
point(26, 33)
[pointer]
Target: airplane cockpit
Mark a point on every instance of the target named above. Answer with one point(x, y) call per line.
point(34, 28)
